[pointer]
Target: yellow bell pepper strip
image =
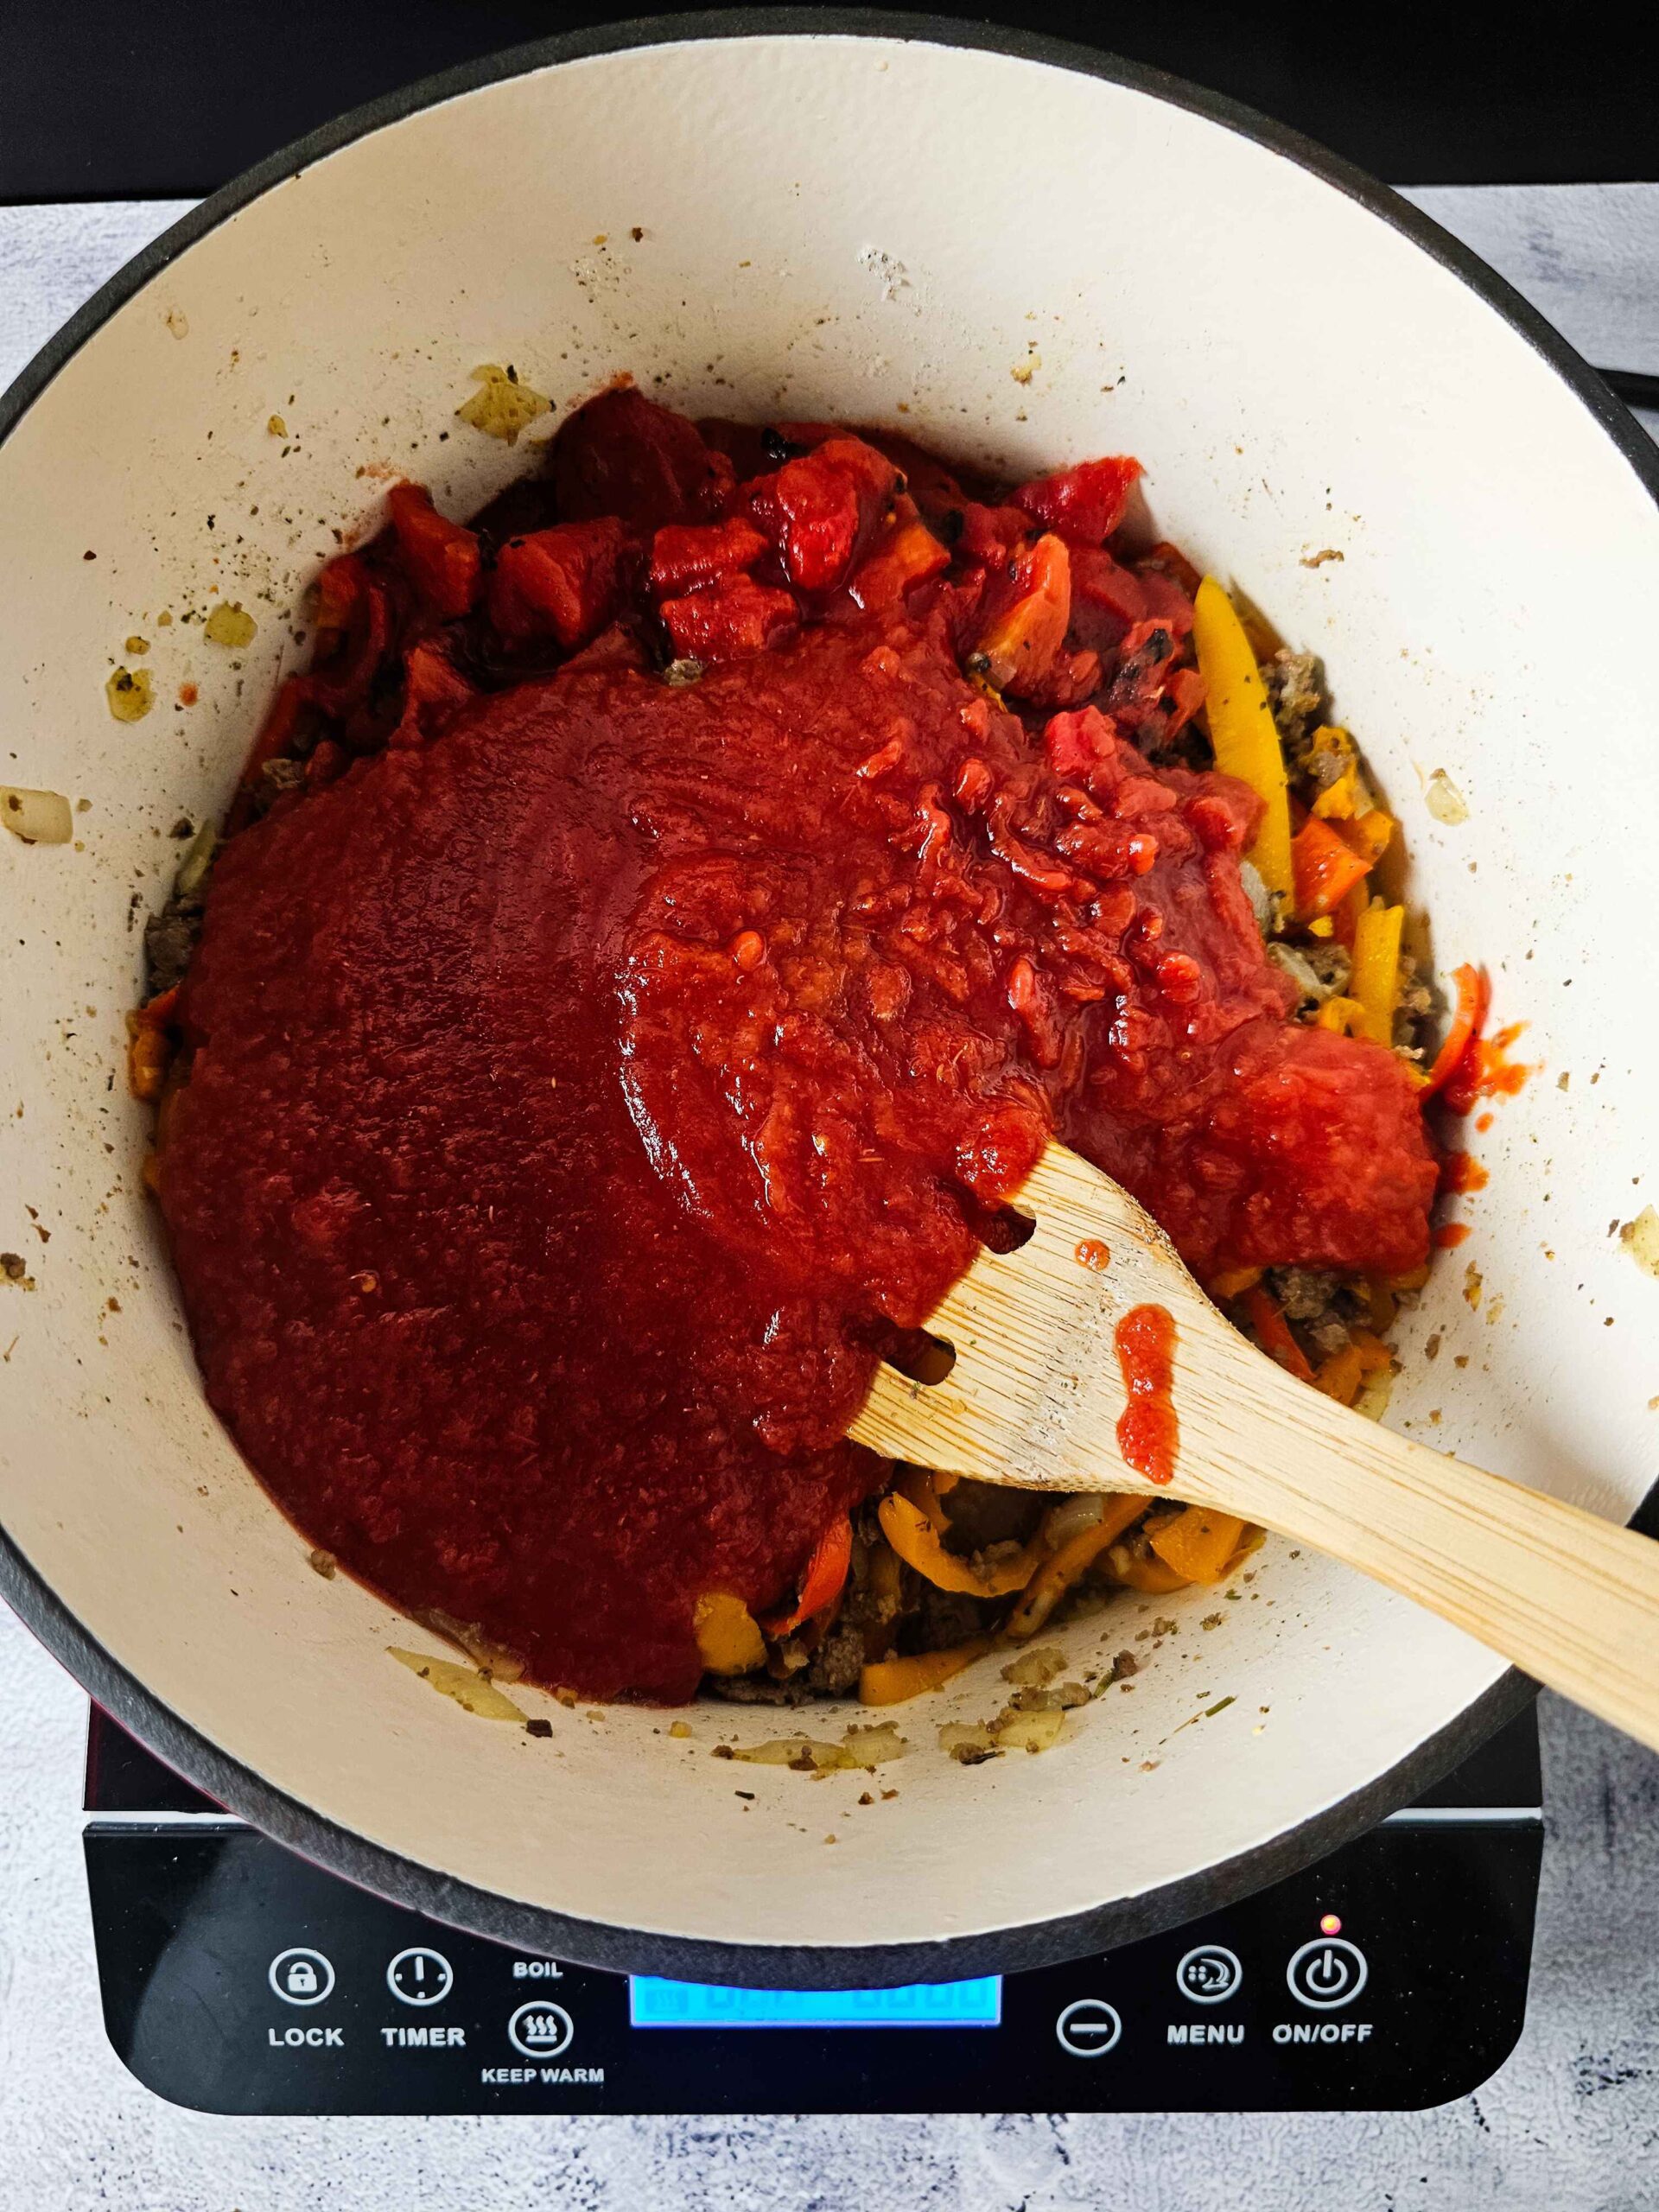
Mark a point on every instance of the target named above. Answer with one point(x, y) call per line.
point(908, 1529)
point(729, 1641)
point(1340, 1014)
point(1241, 728)
point(1339, 802)
point(890, 1682)
point(1325, 868)
point(1373, 978)
point(1197, 1543)
point(1061, 1568)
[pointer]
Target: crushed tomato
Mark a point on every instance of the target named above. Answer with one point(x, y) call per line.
point(592, 1067)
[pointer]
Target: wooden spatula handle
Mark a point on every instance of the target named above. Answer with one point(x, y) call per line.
point(1571, 1599)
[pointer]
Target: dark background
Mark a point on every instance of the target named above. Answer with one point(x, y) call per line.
point(134, 98)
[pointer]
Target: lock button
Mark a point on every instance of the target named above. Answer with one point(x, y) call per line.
point(301, 1976)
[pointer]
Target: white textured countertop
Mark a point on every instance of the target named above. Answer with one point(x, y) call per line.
point(1571, 2124)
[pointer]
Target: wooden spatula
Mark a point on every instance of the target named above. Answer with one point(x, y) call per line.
point(1037, 1398)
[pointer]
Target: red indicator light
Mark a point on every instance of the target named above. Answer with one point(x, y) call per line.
point(1330, 1925)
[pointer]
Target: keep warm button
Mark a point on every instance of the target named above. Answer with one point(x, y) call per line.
point(1326, 1974)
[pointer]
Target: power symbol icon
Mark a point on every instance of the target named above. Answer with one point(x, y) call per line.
point(1326, 1974)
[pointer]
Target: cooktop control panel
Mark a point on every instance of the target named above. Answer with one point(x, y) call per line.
point(238, 1977)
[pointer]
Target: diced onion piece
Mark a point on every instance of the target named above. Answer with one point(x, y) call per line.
point(502, 407)
point(472, 1691)
point(1071, 1518)
point(862, 1749)
point(1640, 1238)
point(1444, 800)
point(38, 817)
point(968, 1742)
point(1030, 1732)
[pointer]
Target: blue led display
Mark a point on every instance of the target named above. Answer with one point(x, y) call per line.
point(653, 2003)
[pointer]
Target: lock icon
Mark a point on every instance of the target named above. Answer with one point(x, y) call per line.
point(301, 1976)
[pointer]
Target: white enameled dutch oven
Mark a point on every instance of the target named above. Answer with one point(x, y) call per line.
point(1021, 253)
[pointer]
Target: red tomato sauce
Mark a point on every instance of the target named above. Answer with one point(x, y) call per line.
point(1148, 1432)
point(705, 886)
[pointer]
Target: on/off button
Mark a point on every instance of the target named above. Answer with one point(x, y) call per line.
point(1326, 1973)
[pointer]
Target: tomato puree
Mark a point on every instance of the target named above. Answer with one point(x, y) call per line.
point(1148, 1431)
point(700, 890)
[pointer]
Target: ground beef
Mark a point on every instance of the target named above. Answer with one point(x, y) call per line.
point(1303, 1293)
point(1295, 687)
point(982, 1514)
point(944, 1618)
point(834, 1667)
point(758, 1689)
point(1416, 1004)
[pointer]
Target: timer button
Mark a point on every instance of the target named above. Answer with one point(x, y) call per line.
point(1326, 1973)
point(1089, 2028)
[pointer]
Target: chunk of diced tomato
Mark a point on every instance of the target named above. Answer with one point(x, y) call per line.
point(992, 536)
point(906, 553)
point(821, 511)
point(1107, 598)
point(1076, 743)
point(731, 621)
point(440, 558)
point(354, 634)
point(435, 691)
point(1083, 505)
point(686, 555)
point(560, 583)
point(623, 456)
point(1167, 601)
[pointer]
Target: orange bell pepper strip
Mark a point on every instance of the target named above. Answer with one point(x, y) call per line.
point(890, 1682)
point(908, 1529)
point(1199, 1544)
point(1153, 1578)
point(1273, 1334)
point(1325, 868)
point(1474, 1002)
point(822, 1582)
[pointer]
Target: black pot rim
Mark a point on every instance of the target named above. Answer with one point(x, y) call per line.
point(536, 1928)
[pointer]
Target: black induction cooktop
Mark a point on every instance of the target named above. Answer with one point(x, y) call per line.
point(238, 1977)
